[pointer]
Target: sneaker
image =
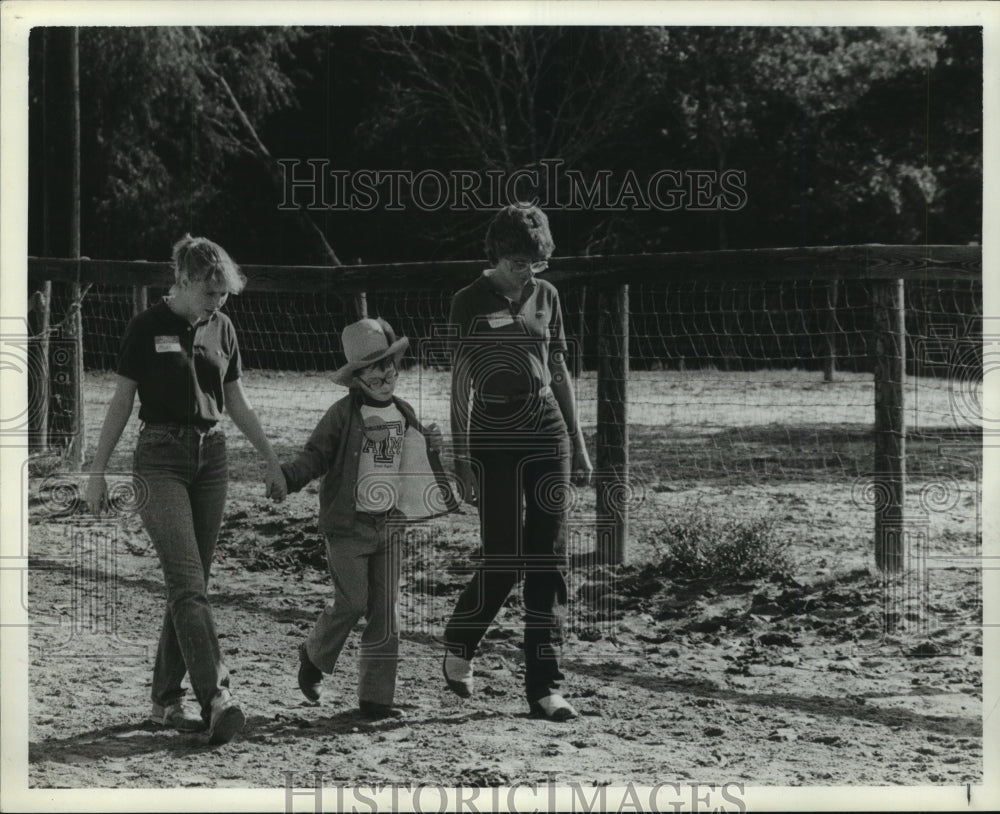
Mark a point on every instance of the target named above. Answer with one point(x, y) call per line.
point(177, 716)
point(553, 708)
point(458, 674)
point(310, 676)
point(375, 711)
point(227, 718)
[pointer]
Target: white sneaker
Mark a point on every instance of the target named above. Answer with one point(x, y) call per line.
point(177, 716)
point(458, 674)
point(553, 708)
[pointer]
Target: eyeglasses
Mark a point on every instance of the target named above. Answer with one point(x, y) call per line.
point(536, 267)
point(375, 382)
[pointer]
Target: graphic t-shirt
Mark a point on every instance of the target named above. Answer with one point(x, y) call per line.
point(381, 453)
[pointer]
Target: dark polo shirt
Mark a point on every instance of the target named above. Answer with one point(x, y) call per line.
point(506, 344)
point(180, 368)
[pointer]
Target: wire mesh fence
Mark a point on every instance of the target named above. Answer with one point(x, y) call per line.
point(730, 381)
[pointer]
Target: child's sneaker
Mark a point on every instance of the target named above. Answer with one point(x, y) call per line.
point(310, 676)
point(227, 718)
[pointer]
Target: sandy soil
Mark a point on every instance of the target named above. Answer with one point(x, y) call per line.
point(827, 677)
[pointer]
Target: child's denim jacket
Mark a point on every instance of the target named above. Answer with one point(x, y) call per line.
point(333, 450)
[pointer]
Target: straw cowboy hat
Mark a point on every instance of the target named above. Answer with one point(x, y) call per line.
point(365, 342)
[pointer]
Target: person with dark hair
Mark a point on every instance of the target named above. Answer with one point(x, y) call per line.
point(518, 445)
point(182, 358)
point(380, 469)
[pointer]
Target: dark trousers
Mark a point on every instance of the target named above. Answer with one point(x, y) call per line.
point(521, 455)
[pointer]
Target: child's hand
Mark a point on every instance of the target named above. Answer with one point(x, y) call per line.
point(433, 437)
point(275, 481)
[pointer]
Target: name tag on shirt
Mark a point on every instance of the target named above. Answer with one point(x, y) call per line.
point(168, 344)
point(499, 318)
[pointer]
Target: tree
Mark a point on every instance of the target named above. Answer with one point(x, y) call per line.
point(845, 134)
point(796, 108)
point(504, 98)
point(779, 94)
point(167, 113)
point(488, 99)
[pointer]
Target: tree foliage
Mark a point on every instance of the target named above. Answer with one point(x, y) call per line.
point(828, 123)
point(846, 135)
point(505, 97)
point(161, 133)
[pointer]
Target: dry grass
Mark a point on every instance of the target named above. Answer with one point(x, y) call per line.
point(702, 544)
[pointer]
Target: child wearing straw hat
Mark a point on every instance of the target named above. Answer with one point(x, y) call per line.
point(380, 469)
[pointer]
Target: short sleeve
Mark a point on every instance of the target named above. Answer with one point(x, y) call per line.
point(458, 322)
point(557, 334)
point(235, 369)
point(133, 352)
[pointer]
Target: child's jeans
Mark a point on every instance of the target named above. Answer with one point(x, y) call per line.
point(183, 475)
point(364, 565)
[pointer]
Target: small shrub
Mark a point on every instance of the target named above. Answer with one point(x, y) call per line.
point(702, 545)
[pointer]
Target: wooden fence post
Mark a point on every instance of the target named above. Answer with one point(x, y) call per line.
point(38, 367)
point(581, 334)
point(830, 331)
point(361, 305)
point(74, 331)
point(890, 424)
point(140, 299)
point(78, 444)
point(40, 302)
point(612, 480)
point(360, 300)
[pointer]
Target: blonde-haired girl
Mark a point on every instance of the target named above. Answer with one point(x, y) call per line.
point(182, 358)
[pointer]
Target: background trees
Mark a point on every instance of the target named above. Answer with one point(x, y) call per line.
point(162, 138)
point(845, 135)
point(786, 104)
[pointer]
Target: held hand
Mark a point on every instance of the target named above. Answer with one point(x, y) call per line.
point(582, 469)
point(467, 482)
point(97, 493)
point(433, 437)
point(277, 490)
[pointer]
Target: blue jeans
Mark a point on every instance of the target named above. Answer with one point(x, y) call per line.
point(186, 475)
point(522, 454)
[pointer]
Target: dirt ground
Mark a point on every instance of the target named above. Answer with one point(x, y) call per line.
point(791, 682)
point(826, 676)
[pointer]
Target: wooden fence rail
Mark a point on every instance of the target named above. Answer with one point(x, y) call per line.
point(865, 262)
point(886, 267)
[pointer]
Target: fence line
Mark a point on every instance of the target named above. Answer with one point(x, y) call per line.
point(747, 277)
point(864, 262)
